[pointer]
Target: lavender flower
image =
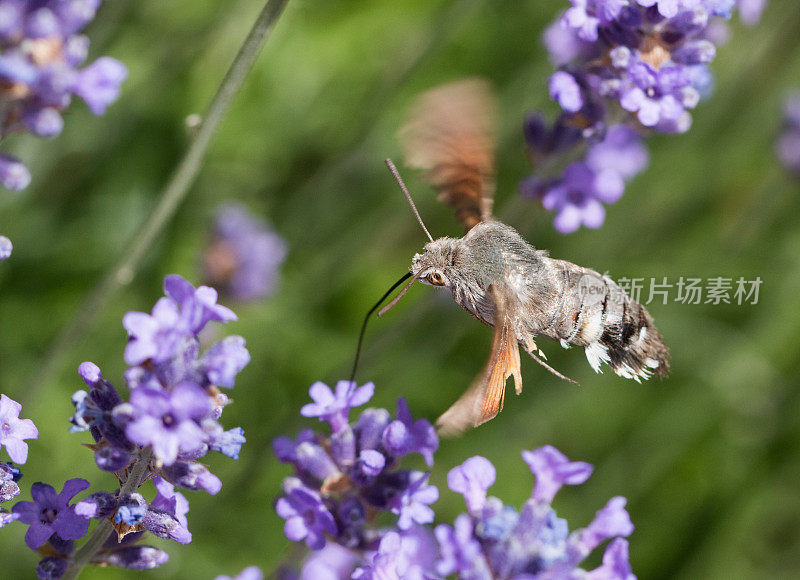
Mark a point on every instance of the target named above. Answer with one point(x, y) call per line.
point(343, 477)
point(625, 67)
point(41, 52)
point(50, 514)
point(335, 407)
point(787, 147)
point(244, 255)
point(14, 430)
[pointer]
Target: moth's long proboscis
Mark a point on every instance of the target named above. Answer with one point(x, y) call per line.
point(397, 298)
point(405, 277)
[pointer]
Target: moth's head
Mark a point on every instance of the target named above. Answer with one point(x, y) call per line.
point(435, 266)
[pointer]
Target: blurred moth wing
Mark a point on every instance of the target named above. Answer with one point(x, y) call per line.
point(451, 136)
point(484, 398)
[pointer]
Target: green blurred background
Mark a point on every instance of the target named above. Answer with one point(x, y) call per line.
point(709, 458)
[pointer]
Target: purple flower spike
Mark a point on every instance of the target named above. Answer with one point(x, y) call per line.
point(616, 564)
point(471, 479)
point(166, 420)
point(50, 514)
point(552, 470)
point(6, 247)
point(335, 408)
point(14, 430)
point(306, 517)
point(99, 83)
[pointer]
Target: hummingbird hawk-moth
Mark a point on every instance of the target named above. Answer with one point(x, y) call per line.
point(498, 277)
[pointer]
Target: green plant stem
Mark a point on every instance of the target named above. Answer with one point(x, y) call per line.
point(89, 549)
point(174, 192)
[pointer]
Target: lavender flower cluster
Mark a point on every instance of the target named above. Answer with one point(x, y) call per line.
point(244, 255)
point(343, 482)
point(625, 67)
point(170, 422)
point(41, 55)
point(41, 52)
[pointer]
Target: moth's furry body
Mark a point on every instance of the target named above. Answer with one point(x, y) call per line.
point(545, 297)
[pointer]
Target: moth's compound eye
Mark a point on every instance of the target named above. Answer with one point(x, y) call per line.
point(435, 278)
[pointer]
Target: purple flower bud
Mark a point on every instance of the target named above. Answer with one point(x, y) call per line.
point(471, 479)
point(45, 122)
point(343, 447)
point(98, 505)
point(13, 174)
point(192, 476)
point(133, 558)
point(371, 462)
point(313, 460)
point(249, 573)
point(370, 427)
point(51, 568)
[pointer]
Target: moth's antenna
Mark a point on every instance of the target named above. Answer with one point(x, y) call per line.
point(399, 180)
point(366, 319)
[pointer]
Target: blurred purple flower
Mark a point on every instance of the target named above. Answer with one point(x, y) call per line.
point(41, 53)
point(244, 256)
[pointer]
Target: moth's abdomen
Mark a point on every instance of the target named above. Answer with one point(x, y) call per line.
point(615, 329)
